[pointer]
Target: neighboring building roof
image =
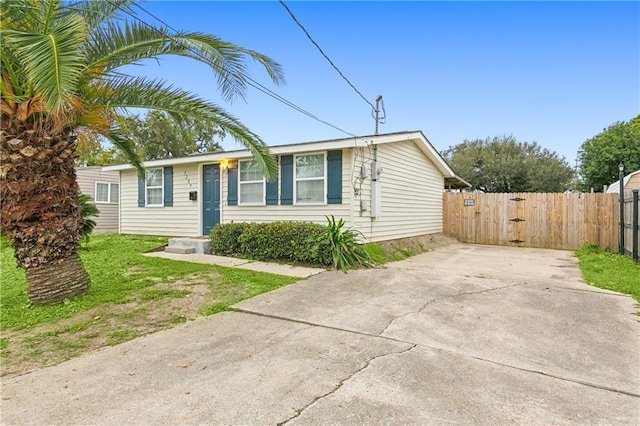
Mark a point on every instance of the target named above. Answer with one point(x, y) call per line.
point(456, 182)
point(614, 188)
point(353, 142)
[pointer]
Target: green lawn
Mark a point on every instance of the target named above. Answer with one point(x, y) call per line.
point(118, 270)
point(610, 271)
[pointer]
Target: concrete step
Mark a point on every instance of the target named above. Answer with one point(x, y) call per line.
point(179, 250)
point(199, 245)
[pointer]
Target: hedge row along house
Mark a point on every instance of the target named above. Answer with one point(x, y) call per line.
point(386, 186)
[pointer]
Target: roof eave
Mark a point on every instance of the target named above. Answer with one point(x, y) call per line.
point(353, 142)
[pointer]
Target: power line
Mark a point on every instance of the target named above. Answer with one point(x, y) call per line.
point(251, 82)
point(324, 54)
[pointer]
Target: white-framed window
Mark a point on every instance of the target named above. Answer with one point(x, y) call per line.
point(310, 178)
point(154, 186)
point(251, 184)
point(107, 192)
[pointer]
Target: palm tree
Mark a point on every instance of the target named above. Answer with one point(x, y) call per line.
point(62, 71)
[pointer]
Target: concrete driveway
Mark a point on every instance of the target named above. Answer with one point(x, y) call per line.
point(463, 335)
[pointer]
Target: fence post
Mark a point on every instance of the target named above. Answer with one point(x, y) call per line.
point(634, 227)
point(621, 174)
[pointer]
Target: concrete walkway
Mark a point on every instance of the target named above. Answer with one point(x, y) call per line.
point(464, 335)
point(233, 262)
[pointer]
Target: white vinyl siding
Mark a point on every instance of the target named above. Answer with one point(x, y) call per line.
point(310, 178)
point(87, 177)
point(300, 212)
point(154, 187)
point(412, 190)
point(182, 219)
point(251, 184)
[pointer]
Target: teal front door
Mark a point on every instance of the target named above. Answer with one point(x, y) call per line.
point(210, 197)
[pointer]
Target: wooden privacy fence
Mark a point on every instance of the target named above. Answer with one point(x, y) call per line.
point(553, 220)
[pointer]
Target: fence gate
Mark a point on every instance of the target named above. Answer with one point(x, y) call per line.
point(564, 221)
point(516, 225)
point(630, 220)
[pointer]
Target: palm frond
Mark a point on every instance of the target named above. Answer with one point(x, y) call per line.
point(273, 68)
point(12, 88)
point(114, 45)
point(50, 11)
point(120, 141)
point(227, 61)
point(22, 15)
point(117, 44)
point(88, 210)
point(52, 62)
point(122, 93)
point(96, 13)
point(16, 15)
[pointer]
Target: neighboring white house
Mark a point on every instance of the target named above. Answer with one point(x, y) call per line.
point(386, 186)
point(630, 181)
point(103, 187)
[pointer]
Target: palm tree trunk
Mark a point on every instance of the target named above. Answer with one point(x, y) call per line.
point(53, 282)
point(41, 213)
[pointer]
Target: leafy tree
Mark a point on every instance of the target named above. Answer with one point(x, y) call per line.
point(91, 150)
point(158, 135)
point(154, 136)
point(63, 71)
point(600, 156)
point(502, 164)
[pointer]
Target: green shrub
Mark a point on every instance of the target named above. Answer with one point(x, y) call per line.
point(288, 241)
point(303, 242)
point(224, 238)
point(87, 210)
point(346, 251)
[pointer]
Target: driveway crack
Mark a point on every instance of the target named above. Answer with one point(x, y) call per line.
point(586, 290)
point(453, 296)
point(436, 348)
point(546, 374)
point(364, 366)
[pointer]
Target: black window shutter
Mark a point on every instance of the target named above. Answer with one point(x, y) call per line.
point(141, 192)
point(272, 192)
point(232, 186)
point(334, 177)
point(168, 186)
point(286, 174)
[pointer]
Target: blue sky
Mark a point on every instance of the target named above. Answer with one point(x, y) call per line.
point(552, 72)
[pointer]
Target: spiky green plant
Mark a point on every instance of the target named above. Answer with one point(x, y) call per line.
point(346, 251)
point(88, 210)
point(63, 71)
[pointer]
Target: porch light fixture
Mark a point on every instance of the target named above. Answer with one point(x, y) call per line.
point(224, 164)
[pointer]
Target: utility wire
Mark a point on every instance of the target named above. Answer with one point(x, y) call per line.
point(251, 82)
point(324, 54)
point(256, 85)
